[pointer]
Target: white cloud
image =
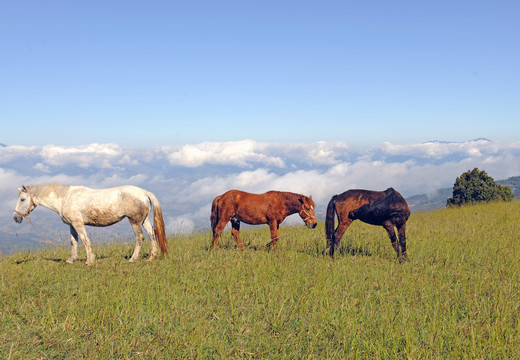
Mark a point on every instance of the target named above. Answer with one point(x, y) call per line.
point(239, 153)
point(434, 150)
point(126, 159)
point(42, 167)
point(439, 150)
point(93, 155)
point(118, 180)
point(247, 153)
point(323, 152)
point(8, 153)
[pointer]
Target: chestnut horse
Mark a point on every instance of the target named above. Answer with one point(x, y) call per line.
point(269, 208)
point(384, 208)
point(79, 206)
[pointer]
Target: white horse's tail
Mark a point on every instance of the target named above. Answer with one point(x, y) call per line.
point(158, 224)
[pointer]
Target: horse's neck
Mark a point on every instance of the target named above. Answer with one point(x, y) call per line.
point(292, 204)
point(50, 200)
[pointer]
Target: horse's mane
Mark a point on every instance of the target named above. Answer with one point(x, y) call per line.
point(291, 199)
point(290, 195)
point(46, 189)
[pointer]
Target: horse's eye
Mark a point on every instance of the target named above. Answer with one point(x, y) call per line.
point(22, 200)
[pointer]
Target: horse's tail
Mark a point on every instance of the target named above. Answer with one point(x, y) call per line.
point(158, 224)
point(329, 220)
point(214, 213)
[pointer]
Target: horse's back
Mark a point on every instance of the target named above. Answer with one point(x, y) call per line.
point(84, 191)
point(393, 203)
point(355, 198)
point(361, 195)
point(239, 196)
point(102, 207)
point(391, 207)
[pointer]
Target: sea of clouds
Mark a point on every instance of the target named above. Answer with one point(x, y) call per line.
point(187, 178)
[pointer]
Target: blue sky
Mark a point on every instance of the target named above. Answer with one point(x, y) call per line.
point(155, 73)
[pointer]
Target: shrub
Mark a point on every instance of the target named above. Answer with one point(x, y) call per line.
point(476, 186)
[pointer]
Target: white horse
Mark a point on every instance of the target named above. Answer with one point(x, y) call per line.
point(79, 206)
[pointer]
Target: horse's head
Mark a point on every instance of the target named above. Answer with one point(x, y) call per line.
point(307, 212)
point(354, 214)
point(24, 205)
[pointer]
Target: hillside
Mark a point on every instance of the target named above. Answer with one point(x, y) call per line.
point(456, 297)
point(437, 199)
point(425, 202)
point(513, 183)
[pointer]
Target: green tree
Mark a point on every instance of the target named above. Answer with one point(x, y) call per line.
point(475, 186)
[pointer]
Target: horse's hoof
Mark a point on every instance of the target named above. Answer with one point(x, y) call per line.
point(70, 261)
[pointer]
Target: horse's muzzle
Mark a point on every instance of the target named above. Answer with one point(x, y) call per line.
point(17, 218)
point(311, 225)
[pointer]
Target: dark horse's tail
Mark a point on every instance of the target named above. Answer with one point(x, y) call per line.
point(214, 213)
point(329, 220)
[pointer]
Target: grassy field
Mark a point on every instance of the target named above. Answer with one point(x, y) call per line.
point(458, 296)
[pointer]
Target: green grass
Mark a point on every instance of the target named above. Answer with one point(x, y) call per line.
point(458, 296)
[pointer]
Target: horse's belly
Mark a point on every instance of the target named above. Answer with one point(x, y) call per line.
point(250, 219)
point(103, 221)
point(101, 217)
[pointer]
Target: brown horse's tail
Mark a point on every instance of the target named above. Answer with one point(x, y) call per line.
point(329, 220)
point(158, 224)
point(214, 213)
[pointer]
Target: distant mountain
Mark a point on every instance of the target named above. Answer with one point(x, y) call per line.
point(513, 183)
point(457, 142)
point(425, 202)
point(437, 199)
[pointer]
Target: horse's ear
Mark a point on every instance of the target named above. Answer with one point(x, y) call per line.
point(300, 199)
point(24, 188)
point(310, 197)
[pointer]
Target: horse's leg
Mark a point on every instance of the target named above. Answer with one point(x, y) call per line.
point(401, 230)
point(139, 237)
point(74, 243)
point(82, 233)
point(218, 230)
point(389, 227)
point(338, 233)
point(149, 229)
point(235, 231)
point(273, 226)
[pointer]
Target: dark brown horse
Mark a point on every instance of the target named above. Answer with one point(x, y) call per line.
point(384, 208)
point(269, 208)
